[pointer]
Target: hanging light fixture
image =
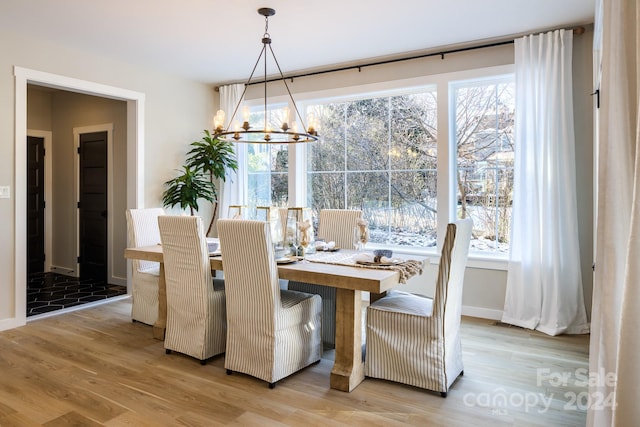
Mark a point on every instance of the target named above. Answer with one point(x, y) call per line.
point(294, 132)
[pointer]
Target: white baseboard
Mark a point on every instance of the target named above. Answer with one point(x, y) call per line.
point(481, 312)
point(63, 270)
point(118, 281)
point(11, 323)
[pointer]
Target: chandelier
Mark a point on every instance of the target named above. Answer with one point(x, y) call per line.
point(287, 133)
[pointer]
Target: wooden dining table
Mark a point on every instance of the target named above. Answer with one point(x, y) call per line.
point(350, 282)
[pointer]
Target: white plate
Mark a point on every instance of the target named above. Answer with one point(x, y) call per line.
point(286, 260)
point(328, 250)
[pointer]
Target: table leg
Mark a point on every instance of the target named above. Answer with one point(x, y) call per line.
point(373, 297)
point(161, 323)
point(348, 368)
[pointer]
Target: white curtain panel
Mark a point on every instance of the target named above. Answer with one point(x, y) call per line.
point(544, 283)
point(233, 189)
point(615, 341)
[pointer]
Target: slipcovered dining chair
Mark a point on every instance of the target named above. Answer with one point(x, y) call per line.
point(283, 218)
point(142, 230)
point(415, 340)
point(271, 333)
point(335, 225)
point(196, 309)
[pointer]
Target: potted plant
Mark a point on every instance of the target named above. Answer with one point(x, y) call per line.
point(208, 160)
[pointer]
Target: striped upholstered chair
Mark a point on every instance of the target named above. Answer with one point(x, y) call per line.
point(415, 340)
point(283, 219)
point(142, 229)
point(271, 333)
point(196, 309)
point(335, 225)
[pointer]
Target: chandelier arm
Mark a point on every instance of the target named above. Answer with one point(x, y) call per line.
point(255, 66)
point(237, 106)
point(304, 126)
point(246, 85)
point(265, 40)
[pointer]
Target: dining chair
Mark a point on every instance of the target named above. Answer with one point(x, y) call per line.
point(271, 333)
point(142, 230)
point(196, 309)
point(415, 340)
point(335, 225)
point(283, 219)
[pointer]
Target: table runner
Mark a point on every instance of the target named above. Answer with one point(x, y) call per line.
point(407, 269)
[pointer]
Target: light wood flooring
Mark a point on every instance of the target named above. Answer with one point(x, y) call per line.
point(95, 367)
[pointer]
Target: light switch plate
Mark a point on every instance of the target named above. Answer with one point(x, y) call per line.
point(5, 192)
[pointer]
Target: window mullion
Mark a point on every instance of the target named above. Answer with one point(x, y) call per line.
point(447, 153)
point(297, 171)
point(345, 162)
point(389, 146)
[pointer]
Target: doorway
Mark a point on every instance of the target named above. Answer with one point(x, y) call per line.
point(129, 166)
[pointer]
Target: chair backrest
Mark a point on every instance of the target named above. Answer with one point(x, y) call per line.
point(142, 230)
point(337, 225)
point(187, 269)
point(447, 302)
point(283, 219)
point(250, 274)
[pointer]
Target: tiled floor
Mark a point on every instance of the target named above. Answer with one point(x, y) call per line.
point(48, 292)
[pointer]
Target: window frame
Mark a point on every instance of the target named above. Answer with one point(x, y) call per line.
point(453, 85)
point(447, 151)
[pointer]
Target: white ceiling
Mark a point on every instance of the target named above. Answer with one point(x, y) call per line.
point(218, 41)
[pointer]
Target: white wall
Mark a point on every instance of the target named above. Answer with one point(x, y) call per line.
point(175, 113)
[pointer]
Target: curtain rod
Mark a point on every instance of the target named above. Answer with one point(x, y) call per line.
point(576, 30)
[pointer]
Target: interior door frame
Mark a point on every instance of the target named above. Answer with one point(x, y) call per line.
point(135, 165)
point(77, 131)
point(48, 193)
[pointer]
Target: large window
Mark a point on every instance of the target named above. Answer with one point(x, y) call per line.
point(411, 160)
point(484, 119)
point(267, 164)
point(379, 155)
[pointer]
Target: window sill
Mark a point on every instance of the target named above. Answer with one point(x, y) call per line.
point(475, 260)
point(487, 262)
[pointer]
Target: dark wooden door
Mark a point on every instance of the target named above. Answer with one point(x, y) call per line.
point(93, 206)
point(35, 205)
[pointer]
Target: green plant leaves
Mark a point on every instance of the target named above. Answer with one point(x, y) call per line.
point(185, 190)
point(208, 159)
point(212, 156)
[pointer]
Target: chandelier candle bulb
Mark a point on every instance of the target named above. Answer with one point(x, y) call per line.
point(285, 118)
point(311, 123)
point(218, 121)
